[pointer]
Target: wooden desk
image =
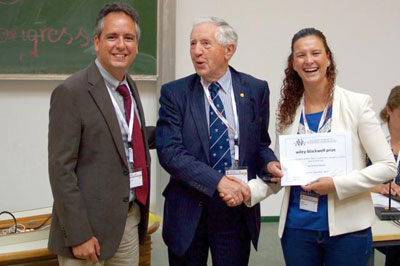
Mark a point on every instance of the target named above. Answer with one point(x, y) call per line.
point(32, 246)
point(385, 231)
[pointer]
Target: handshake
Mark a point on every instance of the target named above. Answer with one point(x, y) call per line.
point(233, 191)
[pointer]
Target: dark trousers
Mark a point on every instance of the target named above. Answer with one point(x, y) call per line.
point(224, 232)
point(392, 255)
point(316, 248)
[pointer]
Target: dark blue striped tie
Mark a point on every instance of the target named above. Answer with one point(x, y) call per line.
point(220, 156)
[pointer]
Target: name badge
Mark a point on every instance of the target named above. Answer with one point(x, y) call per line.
point(136, 179)
point(238, 172)
point(309, 201)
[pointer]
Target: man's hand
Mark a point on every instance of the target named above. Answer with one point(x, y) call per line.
point(321, 186)
point(232, 189)
point(244, 189)
point(88, 250)
point(274, 168)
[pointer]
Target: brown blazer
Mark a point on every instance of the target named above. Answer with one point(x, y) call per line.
point(88, 168)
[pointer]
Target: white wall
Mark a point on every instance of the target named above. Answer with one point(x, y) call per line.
point(363, 35)
point(23, 142)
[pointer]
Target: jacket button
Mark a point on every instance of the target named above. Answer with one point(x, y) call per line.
point(126, 172)
point(126, 199)
point(200, 204)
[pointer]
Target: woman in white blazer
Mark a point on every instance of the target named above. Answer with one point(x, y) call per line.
point(339, 231)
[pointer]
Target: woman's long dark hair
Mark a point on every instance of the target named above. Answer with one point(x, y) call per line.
point(293, 88)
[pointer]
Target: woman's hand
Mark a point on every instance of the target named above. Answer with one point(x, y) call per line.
point(321, 186)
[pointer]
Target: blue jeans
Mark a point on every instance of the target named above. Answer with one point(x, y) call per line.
point(316, 248)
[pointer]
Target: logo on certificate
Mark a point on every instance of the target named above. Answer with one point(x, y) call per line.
point(299, 142)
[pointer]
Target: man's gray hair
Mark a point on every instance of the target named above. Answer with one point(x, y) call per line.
point(226, 34)
point(116, 7)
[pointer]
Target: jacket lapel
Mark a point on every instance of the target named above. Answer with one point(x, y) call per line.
point(199, 114)
point(99, 92)
point(335, 109)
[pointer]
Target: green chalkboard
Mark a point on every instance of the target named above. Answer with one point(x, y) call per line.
point(56, 36)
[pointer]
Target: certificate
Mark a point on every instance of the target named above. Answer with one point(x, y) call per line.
point(306, 157)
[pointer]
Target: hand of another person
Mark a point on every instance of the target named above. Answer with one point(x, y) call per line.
point(321, 186)
point(88, 250)
point(274, 168)
point(395, 189)
point(232, 188)
point(384, 189)
point(245, 190)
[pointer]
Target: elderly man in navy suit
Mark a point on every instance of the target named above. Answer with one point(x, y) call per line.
point(212, 137)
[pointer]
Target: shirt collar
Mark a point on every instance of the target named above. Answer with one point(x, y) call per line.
point(224, 82)
point(110, 81)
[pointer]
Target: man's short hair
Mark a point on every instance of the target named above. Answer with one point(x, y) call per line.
point(116, 7)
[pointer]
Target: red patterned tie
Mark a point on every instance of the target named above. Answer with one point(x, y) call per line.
point(124, 91)
point(139, 154)
point(142, 192)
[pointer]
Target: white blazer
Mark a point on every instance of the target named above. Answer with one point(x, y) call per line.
point(350, 207)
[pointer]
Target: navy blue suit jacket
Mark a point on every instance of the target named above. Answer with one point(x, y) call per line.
point(182, 141)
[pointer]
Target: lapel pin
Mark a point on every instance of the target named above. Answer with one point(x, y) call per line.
point(241, 95)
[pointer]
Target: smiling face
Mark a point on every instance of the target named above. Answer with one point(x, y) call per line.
point(210, 59)
point(311, 61)
point(117, 45)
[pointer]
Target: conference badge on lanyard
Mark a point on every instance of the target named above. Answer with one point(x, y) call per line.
point(309, 201)
point(239, 172)
point(136, 178)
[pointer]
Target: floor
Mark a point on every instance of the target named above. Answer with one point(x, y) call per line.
point(269, 253)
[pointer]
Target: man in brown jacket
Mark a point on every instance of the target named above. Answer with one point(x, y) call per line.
point(99, 161)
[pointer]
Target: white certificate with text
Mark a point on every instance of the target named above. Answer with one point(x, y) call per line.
point(306, 157)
